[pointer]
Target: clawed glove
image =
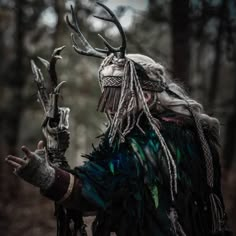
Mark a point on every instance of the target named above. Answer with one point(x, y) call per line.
point(37, 170)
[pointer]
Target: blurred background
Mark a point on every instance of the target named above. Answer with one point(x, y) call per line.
point(193, 39)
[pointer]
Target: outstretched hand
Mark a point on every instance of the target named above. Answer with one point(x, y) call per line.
point(33, 167)
point(18, 162)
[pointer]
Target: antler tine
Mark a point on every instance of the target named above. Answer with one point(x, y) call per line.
point(114, 19)
point(89, 50)
point(82, 52)
point(102, 50)
point(109, 47)
point(104, 18)
point(76, 47)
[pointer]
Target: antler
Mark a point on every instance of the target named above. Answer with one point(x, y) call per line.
point(114, 20)
point(90, 51)
point(97, 52)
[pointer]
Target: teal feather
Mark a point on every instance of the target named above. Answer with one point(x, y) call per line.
point(154, 191)
point(190, 150)
point(112, 169)
point(138, 150)
point(136, 174)
point(157, 146)
point(178, 155)
point(153, 146)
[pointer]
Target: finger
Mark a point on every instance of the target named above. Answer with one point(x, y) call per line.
point(13, 164)
point(40, 145)
point(27, 152)
point(17, 160)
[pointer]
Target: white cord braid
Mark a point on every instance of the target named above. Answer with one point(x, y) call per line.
point(131, 92)
point(155, 125)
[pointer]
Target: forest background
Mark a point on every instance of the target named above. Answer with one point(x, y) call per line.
point(193, 39)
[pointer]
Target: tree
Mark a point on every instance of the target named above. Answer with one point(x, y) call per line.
point(180, 22)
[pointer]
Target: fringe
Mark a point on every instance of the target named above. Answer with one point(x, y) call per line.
point(155, 125)
point(109, 99)
point(217, 213)
point(177, 228)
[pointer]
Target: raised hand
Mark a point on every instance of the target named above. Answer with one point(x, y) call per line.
point(18, 162)
point(34, 167)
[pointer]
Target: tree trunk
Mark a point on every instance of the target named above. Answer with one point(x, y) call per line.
point(181, 39)
point(22, 207)
point(10, 119)
point(229, 150)
point(214, 80)
point(59, 30)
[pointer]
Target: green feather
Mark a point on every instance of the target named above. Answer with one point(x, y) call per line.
point(138, 150)
point(154, 191)
point(112, 169)
point(139, 153)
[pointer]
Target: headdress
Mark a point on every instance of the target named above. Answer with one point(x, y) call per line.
point(130, 96)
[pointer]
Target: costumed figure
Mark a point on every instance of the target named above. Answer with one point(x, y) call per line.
point(156, 170)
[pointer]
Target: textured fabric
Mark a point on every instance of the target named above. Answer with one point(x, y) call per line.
point(37, 171)
point(129, 183)
point(59, 187)
point(150, 85)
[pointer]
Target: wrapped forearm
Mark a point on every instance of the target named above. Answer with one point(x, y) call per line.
point(62, 187)
point(67, 191)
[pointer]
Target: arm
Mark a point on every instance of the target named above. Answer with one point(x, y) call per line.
point(58, 185)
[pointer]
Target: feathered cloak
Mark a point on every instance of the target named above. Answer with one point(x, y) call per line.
point(128, 183)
